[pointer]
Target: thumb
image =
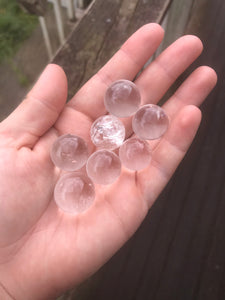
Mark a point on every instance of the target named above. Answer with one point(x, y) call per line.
point(40, 109)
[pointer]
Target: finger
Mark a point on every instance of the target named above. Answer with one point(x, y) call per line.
point(126, 63)
point(155, 80)
point(193, 90)
point(39, 111)
point(169, 153)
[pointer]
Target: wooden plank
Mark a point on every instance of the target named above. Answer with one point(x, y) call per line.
point(37, 7)
point(207, 248)
point(102, 30)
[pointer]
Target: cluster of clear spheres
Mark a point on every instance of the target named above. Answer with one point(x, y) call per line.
point(74, 192)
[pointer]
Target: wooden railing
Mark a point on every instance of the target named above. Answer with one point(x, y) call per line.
point(74, 8)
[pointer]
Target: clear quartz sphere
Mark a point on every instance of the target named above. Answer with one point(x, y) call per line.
point(74, 192)
point(122, 98)
point(103, 167)
point(150, 122)
point(135, 154)
point(69, 152)
point(107, 132)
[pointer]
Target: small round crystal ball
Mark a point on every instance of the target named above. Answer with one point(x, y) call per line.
point(135, 154)
point(74, 192)
point(150, 122)
point(103, 167)
point(69, 152)
point(122, 98)
point(107, 132)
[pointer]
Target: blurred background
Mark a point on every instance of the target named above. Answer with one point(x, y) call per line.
point(31, 32)
point(179, 250)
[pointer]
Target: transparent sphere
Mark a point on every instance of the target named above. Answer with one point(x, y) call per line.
point(135, 154)
point(103, 167)
point(107, 132)
point(69, 152)
point(74, 192)
point(150, 122)
point(122, 98)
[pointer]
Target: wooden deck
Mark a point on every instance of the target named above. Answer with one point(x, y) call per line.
point(179, 251)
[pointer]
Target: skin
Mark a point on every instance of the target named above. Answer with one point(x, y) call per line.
point(44, 251)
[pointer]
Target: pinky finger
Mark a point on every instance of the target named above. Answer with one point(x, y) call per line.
point(169, 153)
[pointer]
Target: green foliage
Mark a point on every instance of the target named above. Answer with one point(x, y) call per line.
point(15, 26)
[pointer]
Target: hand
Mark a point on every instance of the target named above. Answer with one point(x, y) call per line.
point(44, 251)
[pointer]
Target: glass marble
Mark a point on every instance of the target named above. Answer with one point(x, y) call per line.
point(103, 167)
point(122, 98)
point(69, 152)
point(150, 122)
point(107, 132)
point(74, 192)
point(135, 154)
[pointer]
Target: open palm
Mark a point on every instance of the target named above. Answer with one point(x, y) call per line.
point(44, 251)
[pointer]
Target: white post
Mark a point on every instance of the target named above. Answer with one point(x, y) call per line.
point(79, 12)
point(59, 22)
point(80, 3)
point(46, 36)
point(70, 10)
